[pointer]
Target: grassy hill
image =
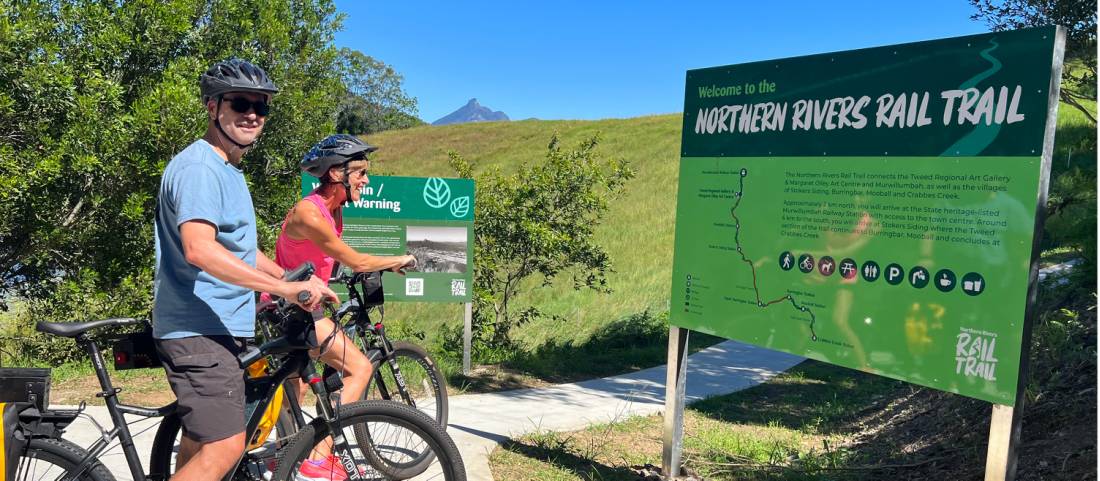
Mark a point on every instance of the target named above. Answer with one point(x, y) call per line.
point(637, 231)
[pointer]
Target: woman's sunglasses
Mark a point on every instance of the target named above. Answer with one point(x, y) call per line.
point(241, 105)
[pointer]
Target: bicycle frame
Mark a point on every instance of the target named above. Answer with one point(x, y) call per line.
point(259, 392)
point(360, 325)
point(117, 410)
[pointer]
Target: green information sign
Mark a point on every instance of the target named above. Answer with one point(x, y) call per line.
point(429, 217)
point(874, 209)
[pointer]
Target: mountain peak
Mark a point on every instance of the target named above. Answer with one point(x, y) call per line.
point(471, 112)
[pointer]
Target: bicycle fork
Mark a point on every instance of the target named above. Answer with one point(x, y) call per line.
point(330, 412)
point(391, 359)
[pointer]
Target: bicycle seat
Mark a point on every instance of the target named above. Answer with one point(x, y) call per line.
point(73, 329)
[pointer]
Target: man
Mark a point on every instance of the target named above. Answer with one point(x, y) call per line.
point(208, 264)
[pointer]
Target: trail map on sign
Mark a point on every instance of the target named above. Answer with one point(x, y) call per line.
point(787, 259)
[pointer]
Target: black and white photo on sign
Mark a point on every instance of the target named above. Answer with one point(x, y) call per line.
point(437, 249)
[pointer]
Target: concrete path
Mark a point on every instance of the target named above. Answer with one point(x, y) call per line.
point(478, 422)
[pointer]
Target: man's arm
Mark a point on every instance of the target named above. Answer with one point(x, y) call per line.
point(202, 250)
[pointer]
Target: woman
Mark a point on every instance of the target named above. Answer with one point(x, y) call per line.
point(311, 232)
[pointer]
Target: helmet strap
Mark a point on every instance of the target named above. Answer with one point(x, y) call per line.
point(347, 182)
point(218, 124)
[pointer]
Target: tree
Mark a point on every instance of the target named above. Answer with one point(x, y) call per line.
point(96, 97)
point(538, 222)
point(375, 100)
point(1079, 19)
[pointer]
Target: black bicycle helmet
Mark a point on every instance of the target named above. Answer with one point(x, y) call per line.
point(235, 75)
point(334, 150)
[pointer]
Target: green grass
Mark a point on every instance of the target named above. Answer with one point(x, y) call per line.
point(1074, 140)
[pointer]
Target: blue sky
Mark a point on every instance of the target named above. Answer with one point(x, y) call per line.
point(592, 60)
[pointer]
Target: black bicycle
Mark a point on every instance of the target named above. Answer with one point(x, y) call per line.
point(393, 428)
point(403, 371)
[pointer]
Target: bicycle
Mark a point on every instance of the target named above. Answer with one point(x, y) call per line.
point(408, 372)
point(392, 362)
point(393, 426)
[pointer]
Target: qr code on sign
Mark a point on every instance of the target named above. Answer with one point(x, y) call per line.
point(414, 287)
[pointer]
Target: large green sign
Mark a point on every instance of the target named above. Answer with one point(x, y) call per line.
point(874, 208)
point(429, 217)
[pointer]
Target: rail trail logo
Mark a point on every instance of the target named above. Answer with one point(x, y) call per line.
point(974, 354)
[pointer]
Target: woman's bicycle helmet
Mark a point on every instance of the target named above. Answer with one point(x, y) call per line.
point(334, 151)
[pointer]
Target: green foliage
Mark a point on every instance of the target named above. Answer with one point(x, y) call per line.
point(1072, 217)
point(1071, 212)
point(74, 299)
point(96, 97)
point(538, 222)
point(1079, 19)
point(374, 101)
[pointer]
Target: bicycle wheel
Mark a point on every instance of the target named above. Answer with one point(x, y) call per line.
point(53, 459)
point(424, 390)
point(287, 424)
point(162, 456)
point(424, 383)
point(398, 433)
point(254, 464)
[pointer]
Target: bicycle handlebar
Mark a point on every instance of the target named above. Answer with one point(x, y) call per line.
point(300, 273)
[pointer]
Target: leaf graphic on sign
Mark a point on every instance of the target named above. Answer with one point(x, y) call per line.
point(437, 193)
point(460, 206)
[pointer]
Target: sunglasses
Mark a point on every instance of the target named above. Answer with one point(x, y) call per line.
point(241, 105)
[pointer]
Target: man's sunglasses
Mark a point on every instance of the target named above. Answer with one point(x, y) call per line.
point(241, 105)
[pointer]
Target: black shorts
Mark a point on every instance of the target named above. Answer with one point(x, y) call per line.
point(208, 382)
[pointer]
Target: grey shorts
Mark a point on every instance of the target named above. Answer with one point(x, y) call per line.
point(208, 382)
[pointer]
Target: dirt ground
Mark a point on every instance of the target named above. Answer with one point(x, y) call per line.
point(145, 387)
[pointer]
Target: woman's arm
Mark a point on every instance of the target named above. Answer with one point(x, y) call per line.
point(307, 222)
point(265, 265)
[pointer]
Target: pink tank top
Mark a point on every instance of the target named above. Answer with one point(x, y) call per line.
point(291, 253)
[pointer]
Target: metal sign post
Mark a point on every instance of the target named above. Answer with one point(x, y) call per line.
point(675, 385)
point(467, 337)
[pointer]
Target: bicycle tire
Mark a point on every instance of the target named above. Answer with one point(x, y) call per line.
point(426, 374)
point(161, 462)
point(63, 455)
point(162, 454)
point(376, 415)
point(418, 370)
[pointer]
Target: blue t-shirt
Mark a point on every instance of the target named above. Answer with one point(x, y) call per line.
point(198, 184)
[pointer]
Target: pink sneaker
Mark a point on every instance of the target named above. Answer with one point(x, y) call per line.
point(327, 469)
